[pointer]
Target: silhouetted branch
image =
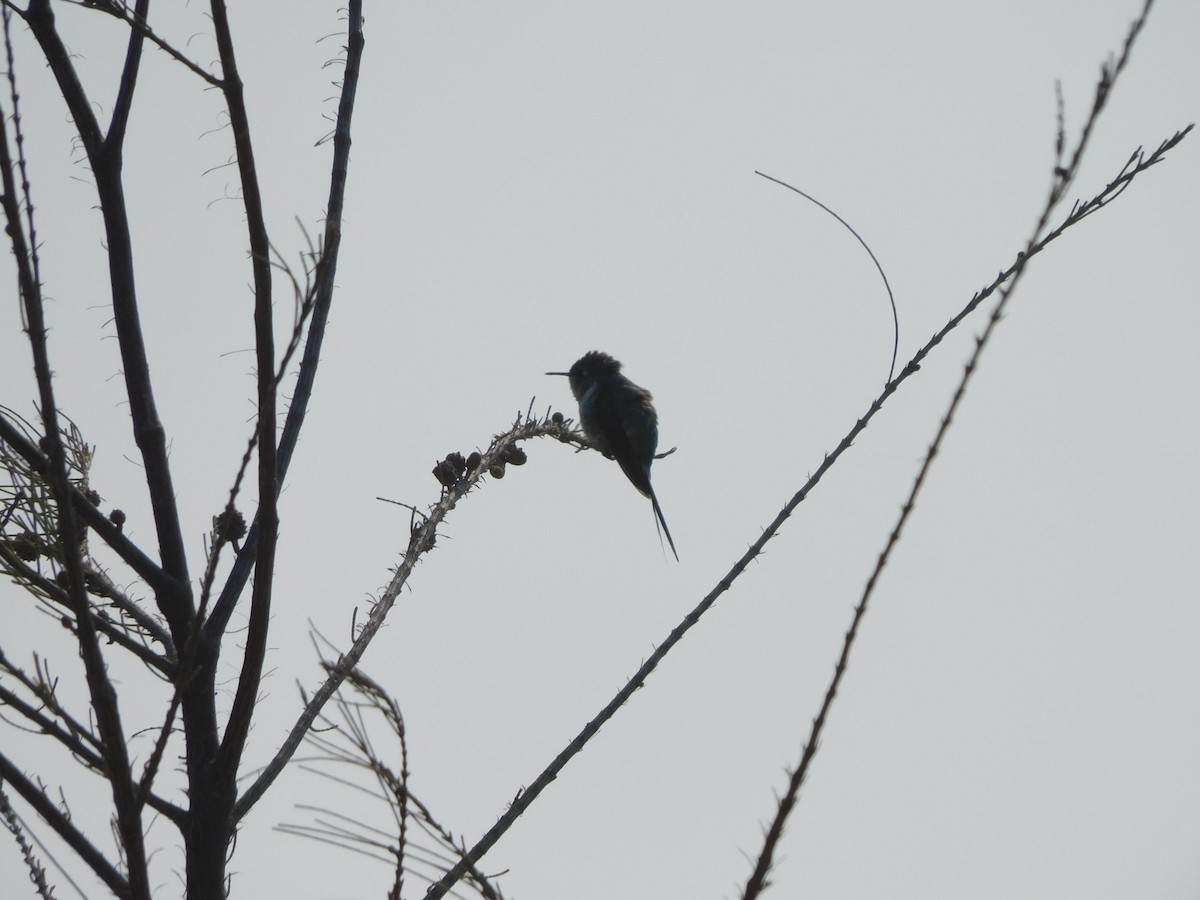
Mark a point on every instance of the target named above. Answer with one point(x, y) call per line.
point(324, 279)
point(346, 741)
point(305, 298)
point(61, 823)
point(37, 872)
point(71, 734)
point(146, 568)
point(30, 526)
point(114, 632)
point(150, 769)
point(129, 73)
point(136, 21)
point(105, 159)
point(238, 724)
point(100, 689)
point(67, 730)
point(1062, 178)
point(467, 474)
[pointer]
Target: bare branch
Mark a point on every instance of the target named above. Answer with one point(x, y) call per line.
point(103, 697)
point(113, 631)
point(144, 566)
point(345, 741)
point(149, 433)
point(133, 60)
point(150, 770)
point(324, 277)
point(422, 538)
point(137, 22)
point(37, 872)
point(238, 725)
point(305, 298)
point(1062, 178)
point(61, 823)
point(71, 734)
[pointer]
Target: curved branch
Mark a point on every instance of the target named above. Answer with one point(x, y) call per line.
point(870, 253)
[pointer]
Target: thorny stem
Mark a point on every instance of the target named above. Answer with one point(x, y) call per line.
point(1063, 177)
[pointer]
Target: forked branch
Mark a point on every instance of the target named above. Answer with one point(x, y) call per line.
point(1063, 176)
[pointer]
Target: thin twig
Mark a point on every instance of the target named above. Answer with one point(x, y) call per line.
point(137, 22)
point(870, 252)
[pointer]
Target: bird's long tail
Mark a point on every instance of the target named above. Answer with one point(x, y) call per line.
point(659, 520)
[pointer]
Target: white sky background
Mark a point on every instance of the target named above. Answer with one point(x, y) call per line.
point(532, 181)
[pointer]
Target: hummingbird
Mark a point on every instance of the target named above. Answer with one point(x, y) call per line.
point(618, 418)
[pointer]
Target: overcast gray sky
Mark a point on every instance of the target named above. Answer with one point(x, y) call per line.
point(532, 181)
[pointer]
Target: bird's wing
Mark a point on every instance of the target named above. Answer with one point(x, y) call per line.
point(629, 421)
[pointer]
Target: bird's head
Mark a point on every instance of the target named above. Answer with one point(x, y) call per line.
point(588, 369)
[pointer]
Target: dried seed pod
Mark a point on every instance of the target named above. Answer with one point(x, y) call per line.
point(457, 464)
point(515, 455)
point(445, 474)
point(117, 517)
point(473, 461)
point(497, 471)
point(230, 525)
point(26, 546)
point(557, 418)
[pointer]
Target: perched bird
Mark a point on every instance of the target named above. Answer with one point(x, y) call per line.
point(619, 420)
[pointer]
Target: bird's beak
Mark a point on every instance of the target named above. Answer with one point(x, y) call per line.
point(568, 374)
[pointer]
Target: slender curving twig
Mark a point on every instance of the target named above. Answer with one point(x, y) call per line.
point(870, 252)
